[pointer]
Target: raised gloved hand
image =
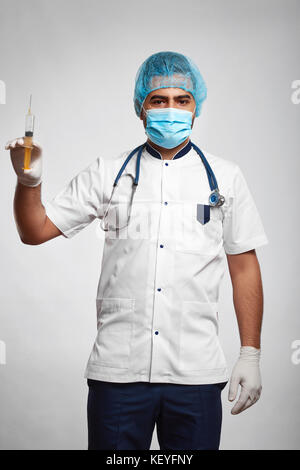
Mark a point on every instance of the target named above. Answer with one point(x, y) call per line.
point(32, 177)
point(246, 373)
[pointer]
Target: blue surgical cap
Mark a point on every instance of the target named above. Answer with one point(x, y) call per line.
point(168, 70)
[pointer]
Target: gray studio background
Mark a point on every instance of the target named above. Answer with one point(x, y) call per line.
point(79, 59)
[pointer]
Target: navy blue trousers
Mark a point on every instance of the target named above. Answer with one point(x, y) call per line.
point(123, 415)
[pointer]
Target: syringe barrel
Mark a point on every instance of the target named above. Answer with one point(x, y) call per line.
point(29, 125)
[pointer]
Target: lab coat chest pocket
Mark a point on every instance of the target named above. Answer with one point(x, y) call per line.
point(200, 229)
point(115, 323)
point(199, 346)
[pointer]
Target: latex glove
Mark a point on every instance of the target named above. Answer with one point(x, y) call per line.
point(32, 177)
point(246, 373)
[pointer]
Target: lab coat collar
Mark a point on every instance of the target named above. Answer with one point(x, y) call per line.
point(155, 153)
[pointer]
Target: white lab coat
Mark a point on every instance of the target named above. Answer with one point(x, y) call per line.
point(158, 293)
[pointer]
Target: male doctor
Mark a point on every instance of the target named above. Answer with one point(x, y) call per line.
point(157, 357)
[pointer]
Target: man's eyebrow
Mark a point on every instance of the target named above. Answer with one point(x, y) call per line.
point(164, 97)
point(183, 96)
point(157, 96)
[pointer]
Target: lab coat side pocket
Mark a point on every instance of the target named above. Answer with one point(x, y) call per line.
point(199, 347)
point(112, 347)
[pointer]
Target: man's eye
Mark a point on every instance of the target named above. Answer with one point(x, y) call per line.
point(183, 101)
point(157, 101)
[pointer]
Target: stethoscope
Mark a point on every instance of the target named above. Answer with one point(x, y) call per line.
point(215, 198)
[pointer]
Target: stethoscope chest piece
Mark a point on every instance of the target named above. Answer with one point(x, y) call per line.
point(216, 199)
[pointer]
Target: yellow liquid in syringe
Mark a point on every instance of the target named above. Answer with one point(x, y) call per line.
point(29, 127)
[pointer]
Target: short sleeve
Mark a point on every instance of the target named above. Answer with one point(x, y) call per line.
point(79, 202)
point(242, 226)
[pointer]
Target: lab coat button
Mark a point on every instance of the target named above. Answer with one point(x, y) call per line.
point(159, 289)
point(156, 332)
point(161, 246)
point(166, 203)
point(166, 164)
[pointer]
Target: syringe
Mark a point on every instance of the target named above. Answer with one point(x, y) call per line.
point(29, 126)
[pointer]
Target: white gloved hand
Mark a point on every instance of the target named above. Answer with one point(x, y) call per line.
point(32, 177)
point(246, 373)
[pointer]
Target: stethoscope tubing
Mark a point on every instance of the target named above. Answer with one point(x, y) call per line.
point(210, 175)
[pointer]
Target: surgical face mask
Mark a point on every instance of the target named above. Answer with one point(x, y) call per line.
point(168, 127)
